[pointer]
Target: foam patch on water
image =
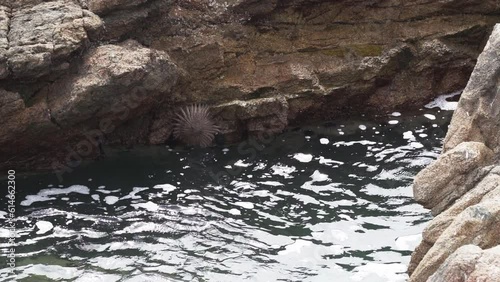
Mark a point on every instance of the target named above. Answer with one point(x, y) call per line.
point(407, 243)
point(430, 116)
point(98, 277)
point(283, 170)
point(326, 161)
point(44, 194)
point(350, 143)
point(149, 206)
point(44, 226)
point(53, 272)
point(111, 200)
point(271, 183)
point(246, 205)
point(318, 176)
point(408, 135)
point(303, 158)
point(167, 188)
point(380, 272)
point(441, 102)
point(133, 194)
point(241, 163)
point(296, 247)
point(234, 212)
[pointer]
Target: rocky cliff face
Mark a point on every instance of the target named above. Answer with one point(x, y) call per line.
point(77, 73)
point(463, 186)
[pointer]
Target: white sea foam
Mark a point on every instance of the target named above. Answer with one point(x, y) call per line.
point(429, 116)
point(149, 206)
point(167, 188)
point(111, 200)
point(44, 226)
point(441, 102)
point(303, 158)
point(44, 194)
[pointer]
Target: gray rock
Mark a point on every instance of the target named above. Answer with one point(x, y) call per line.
point(43, 38)
point(477, 117)
point(443, 181)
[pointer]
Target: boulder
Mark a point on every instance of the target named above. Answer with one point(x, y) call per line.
point(449, 177)
point(114, 85)
point(470, 263)
point(477, 117)
point(110, 75)
point(488, 187)
point(43, 38)
point(257, 117)
point(478, 225)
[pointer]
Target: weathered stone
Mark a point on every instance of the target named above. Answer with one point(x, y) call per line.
point(478, 225)
point(43, 38)
point(477, 117)
point(442, 182)
point(112, 77)
point(264, 115)
point(436, 227)
point(102, 7)
point(4, 43)
point(469, 263)
point(113, 89)
point(10, 103)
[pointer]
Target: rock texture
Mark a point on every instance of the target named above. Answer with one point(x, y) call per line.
point(470, 263)
point(261, 65)
point(462, 187)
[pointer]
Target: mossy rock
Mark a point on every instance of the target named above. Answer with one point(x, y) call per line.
point(369, 50)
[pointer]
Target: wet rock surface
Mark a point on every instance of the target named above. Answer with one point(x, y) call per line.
point(299, 61)
point(462, 186)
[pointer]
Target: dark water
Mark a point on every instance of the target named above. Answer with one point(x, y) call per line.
point(321, 203)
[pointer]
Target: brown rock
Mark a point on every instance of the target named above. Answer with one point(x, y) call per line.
point(112, 75)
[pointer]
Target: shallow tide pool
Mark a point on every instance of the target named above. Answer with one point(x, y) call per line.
point(331, 202)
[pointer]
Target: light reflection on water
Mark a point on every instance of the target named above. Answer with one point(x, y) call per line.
point(315, 204)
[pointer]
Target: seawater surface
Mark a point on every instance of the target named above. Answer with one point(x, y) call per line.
point(331, 202)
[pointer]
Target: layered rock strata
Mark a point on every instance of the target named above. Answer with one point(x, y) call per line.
point(262, 65)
